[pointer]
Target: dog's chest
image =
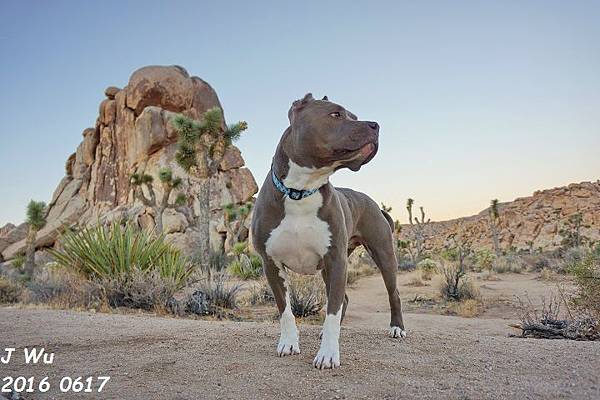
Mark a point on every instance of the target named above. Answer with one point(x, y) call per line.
point(301, 239)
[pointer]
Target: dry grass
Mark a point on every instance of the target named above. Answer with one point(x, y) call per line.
point(10, 292)
point(546, 274)
point(62, 288)
point(355, 272)
point(416, 282)
point(468, 308)
point(260, 294)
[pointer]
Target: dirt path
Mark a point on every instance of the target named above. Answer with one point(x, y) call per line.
point(150, 357)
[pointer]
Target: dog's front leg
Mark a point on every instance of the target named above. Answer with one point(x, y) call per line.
point(329, 352)
point(288, 338)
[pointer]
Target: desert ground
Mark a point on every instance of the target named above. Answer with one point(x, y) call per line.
point(153, 357)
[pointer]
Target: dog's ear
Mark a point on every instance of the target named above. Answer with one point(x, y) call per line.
point(325, 98)
point(299, 105)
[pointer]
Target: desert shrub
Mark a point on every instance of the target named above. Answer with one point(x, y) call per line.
point(508, 263)
point(307, 294)
point(406, 264)
point(546, 323)
point(18, 261)
point(428, 268)
point(218, 261)
point(587, 278)
point(10, 292)
point(146, 290)
point(537, 262)
point(260, 294)
point(456, 285)
point(484, 259)
point(64, 288)
point(212, 296)
point(246, 267)
point(112, 252)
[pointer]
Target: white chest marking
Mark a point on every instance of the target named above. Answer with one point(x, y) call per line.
point(301, 239)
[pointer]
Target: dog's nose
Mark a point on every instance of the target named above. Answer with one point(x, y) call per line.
point(373, 125)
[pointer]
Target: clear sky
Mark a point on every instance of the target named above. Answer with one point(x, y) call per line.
point(476, 99)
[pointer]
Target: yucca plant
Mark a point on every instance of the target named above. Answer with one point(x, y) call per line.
point(115, 251)
point(36, 220)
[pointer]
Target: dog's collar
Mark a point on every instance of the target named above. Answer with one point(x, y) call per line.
point(293, 194)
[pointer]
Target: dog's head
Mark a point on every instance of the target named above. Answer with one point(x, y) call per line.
point(325, 134)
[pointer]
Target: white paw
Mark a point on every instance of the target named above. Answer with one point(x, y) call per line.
point(397, 332)
point(328, 356)
point(288, 347)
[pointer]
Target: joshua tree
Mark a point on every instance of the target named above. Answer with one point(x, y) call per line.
point(385, 208)
point(571, 232)
point(235, 221)
point(168, 183)
point(494, 215)
point(201, 147)
point(36, 219)
point(461, 246)
point(419, 228)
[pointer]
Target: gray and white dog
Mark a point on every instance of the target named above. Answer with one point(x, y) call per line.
point(302, 223)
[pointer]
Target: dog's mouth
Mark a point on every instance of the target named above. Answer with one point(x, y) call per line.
point(355, 158)
point(365, 151)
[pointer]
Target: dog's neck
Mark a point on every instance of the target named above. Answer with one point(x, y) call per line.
point(292, 174)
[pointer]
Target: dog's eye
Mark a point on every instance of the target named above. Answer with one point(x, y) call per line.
point(335, 114)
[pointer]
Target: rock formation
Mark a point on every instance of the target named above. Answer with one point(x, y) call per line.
point(133, 134)
point(528, 221)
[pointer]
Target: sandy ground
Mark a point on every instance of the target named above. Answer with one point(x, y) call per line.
point(447, 357)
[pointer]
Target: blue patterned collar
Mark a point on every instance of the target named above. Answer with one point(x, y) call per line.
point(293, 194)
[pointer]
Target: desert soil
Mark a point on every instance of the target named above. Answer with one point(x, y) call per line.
point(150, 357)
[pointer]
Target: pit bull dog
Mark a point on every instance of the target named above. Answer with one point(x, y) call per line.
point(304, 224)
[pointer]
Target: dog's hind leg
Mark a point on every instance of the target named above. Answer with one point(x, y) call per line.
point(288, 339)
point(379, 242)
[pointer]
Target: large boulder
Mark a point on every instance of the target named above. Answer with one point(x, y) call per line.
point(133, 133)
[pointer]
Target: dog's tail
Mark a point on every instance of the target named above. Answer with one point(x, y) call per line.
point(388, 219)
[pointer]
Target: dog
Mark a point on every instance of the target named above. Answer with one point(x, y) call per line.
point(304, 224)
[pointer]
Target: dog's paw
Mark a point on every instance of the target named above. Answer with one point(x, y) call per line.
point(397, 332)
point(327, 357)
point(288, 347)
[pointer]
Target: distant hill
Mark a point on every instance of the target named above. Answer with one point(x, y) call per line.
point(536, 219)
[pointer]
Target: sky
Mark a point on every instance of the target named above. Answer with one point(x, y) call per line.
point(476, 99)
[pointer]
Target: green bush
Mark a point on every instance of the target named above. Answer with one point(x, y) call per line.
point(114, 252)
point(484, 259)
point(18, 261)
point(428, 268)
point(246, 267)
point(587, 278)
point(9, 292)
